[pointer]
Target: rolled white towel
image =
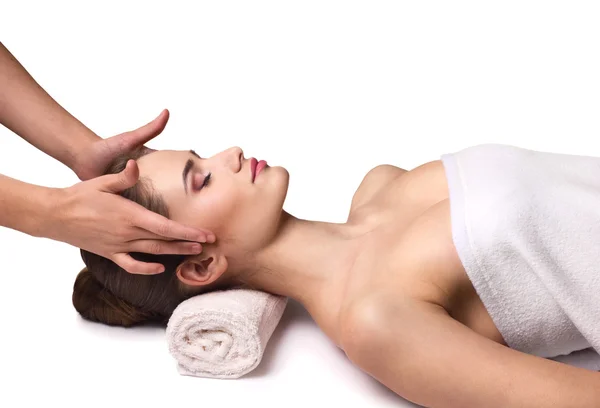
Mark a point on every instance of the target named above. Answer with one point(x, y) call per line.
point(223, 334)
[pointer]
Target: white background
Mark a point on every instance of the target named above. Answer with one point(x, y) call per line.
point(328, 89)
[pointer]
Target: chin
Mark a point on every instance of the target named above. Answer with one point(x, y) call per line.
point(284, 174)
point(278, 183)
point(274, 176)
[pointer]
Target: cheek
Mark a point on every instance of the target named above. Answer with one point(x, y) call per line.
point(219, 210)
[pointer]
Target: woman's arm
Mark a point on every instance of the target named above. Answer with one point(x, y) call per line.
point(89, 215)
point(420, 352)
point(27, 110)
point(24, 207)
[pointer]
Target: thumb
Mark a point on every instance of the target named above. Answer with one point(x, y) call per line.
point(115, 183)
point(145, 133)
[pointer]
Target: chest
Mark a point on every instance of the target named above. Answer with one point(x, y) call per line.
point(408, 251)
point(407, 247)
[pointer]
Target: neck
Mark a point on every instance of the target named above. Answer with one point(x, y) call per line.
point(308, 261)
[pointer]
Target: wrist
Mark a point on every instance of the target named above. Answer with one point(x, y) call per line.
point(48, 212)
point(76, 157)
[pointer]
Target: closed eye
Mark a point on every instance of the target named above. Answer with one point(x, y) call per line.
point(187, 169)
point(197, 185)
point(206, 180)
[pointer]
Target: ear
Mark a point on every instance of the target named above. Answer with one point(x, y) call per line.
point(203, 269)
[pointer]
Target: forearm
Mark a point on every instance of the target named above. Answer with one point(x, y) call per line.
point(435, 361)
point(25, 207)
point(28, 110)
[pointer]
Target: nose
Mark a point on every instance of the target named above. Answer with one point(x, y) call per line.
point(235, 155)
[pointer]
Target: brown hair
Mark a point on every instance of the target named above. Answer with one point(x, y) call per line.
point(105, 293)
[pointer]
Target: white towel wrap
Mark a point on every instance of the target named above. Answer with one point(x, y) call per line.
point(526, 225)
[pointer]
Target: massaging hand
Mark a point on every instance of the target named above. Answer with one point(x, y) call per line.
point(96, 157)
point(91, 216)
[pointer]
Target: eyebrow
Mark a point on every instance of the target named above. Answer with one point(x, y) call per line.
point(186, 169)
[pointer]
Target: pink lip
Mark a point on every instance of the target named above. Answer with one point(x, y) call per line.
point(259, 167)
point(256, 167)
point(253, 164)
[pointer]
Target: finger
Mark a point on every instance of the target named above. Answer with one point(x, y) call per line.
point(130, 265)
point(144, 234)
point(166, 228)
point(161, 247)
point(115, 183)
point(145, 133)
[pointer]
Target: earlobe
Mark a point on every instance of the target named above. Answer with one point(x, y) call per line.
point(202, 270)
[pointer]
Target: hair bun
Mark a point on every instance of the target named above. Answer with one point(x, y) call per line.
point(96, 303)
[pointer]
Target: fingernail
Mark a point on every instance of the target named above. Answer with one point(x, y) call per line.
point(211, 238)
point(196, 248)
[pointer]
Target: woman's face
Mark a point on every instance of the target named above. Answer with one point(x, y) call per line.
point(227, 194)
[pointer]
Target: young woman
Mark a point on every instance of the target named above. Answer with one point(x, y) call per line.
point(448, 283)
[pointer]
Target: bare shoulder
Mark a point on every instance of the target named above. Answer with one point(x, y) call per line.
point(366, 319)
point(408, 275)
point(374, 181)
point(378, 177)
point(398, 345)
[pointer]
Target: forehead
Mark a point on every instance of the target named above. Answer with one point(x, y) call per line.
point(164, 168)
point(163, 156)
point(157, 162)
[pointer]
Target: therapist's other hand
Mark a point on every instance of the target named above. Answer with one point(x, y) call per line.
point(92, 216)
point(95, 158)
